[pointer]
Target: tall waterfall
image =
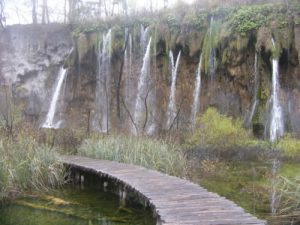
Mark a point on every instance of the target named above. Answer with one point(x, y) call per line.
point(212, 54)
point(50, 122)
point(128, 71)
point(172, 99)
point(196, 94)
point(276, 123)
point(256, 86)
point(143, 91)
point(144, 39)
point(101, 121)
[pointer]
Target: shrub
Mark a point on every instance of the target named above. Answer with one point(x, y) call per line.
point(217, 131)
point(252, 17)
point(153, 154)
point(289, 146)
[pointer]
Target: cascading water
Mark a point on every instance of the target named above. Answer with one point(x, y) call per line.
point(256, 86)
point(172, 99)
point(143, 91)
point(276, 123)
point(128, 72)
point(144, 39)
point(50, 122)
point(212, 54)
point(196, 94)
point(101, 120)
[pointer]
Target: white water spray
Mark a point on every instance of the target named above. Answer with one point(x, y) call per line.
point(144, 39)
point(143, 91)
point(196, 95)
point(49, 122)
point(101, 120)
point(172, 99)
point(212, 54)
point(276, 124)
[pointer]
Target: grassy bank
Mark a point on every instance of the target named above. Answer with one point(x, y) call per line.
point(150, 153)
point(26, 165)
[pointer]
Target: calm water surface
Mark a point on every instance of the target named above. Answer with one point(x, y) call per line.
point(73, 206)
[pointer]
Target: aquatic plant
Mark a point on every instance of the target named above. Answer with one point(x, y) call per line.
point(150, 153)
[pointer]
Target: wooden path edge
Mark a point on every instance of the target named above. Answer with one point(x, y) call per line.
point(174, 201)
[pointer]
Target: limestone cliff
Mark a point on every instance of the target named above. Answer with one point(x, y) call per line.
point(236, 81)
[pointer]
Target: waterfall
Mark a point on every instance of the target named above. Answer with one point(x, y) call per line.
point(172, 99)
point(256, 86)
point(128, 71)
point(276, 124)
point(101, 121)
point(196, 94)
point(212, 53)
point(49, 122)
point(144, 39)
point(143, 91)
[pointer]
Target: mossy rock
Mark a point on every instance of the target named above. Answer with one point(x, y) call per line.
point(264, 39)
point(297, 40)
point(191, 38)
point(86, 42)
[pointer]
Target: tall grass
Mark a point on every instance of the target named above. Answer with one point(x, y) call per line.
point(27, 166)
point(288, 196)
point(150, 153)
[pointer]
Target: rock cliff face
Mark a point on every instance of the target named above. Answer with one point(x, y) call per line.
point(31, 56)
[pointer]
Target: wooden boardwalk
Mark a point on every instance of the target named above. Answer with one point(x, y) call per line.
point(174, 200)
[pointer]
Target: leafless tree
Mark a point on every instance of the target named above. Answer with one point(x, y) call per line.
point(45, 13)
point(65, 12)
point(33, 12)
point(129, 113)
point(119, 84)
point(2, 17)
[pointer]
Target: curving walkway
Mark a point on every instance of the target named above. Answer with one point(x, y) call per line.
point(175, 201)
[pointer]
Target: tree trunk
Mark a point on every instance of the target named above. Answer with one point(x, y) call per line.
point(45, 15)
point(119, 84)
point(34, 16)
point(65, 12)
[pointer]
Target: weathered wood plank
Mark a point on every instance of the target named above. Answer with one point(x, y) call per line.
point(176, 201)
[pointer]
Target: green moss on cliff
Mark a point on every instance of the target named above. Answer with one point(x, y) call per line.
point(252, 17)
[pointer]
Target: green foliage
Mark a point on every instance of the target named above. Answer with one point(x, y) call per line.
point(153, 154)
point(252, 17)
point(289, 146)
point(196, 19)
point(215, 131)
point(25, 166)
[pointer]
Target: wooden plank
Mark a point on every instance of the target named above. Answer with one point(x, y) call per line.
point(176, 201)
